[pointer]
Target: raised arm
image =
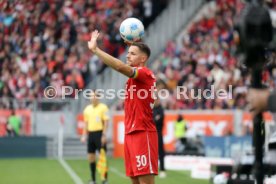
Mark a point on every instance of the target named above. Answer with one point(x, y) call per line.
point(109, 60)
point(84, 131)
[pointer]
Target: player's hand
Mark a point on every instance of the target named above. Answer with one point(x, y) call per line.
point(83, 139)
point(130, 42)
point(257, 100)
point(92, 44)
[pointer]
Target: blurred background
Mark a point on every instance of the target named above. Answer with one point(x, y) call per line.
point(44, 43)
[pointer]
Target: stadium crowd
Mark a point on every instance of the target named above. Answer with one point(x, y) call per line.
point(44, 43)
point(206, 58)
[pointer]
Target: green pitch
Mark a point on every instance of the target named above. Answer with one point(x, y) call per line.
point(48, 171)
point(32, 171)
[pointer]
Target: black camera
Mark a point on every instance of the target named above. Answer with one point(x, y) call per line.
point(255, 31)
point(254, 27)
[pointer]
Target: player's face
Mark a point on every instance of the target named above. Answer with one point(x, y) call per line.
point(94, 99)
point(135, 57)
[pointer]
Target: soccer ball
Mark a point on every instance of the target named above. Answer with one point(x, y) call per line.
point(132, 29)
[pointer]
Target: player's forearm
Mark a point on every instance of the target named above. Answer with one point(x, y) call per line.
point(105, 127)
point(114, 62)
point(85, 130)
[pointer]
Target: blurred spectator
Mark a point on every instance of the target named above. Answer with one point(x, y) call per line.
point(205, 58)
point(13, 125)
point(158, 116)
point(43, 43)
point(180, 128)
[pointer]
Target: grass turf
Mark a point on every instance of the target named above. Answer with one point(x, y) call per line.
point(49, 171)
point(33, 171)
point(116, 173)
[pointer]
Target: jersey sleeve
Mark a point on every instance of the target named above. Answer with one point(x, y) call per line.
point(141, 74)
point(85, 115)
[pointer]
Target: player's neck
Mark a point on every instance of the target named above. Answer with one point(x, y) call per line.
point(95, 104)
point(141, 65)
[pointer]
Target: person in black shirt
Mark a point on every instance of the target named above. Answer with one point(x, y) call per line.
point(158, 116)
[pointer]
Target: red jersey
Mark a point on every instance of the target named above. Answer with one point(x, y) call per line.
point(139, 101)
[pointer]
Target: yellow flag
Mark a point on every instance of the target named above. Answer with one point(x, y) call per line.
point(102, 164)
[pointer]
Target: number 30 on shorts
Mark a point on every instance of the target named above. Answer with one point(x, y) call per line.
point(141, 160)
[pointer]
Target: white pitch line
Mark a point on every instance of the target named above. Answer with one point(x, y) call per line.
point(70, 171)
point(117, 172)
